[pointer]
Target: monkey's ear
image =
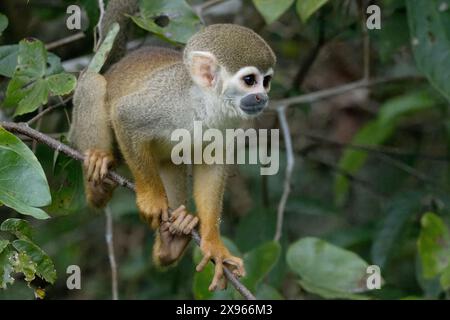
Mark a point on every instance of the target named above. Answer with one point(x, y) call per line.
point(203, 68)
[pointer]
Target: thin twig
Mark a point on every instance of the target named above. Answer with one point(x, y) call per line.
point(64, 41)
point(112, 258)
point(391, 151)
point(289, 169)
point(328, 93)
point(49, 109)
point(24, 129)
point(98, 36)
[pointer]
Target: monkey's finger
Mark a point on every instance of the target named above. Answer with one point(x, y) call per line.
point(176, 213)
point(203, 263)
point(176, 224)
point(191, 226)
point(98, 167)
point(87, 156)
point(105, 166)
point(218, 274)
point(185, 223)
point(223, 283)
point(91, 167)
point(164, 226)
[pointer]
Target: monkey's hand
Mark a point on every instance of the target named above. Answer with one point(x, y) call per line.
point(175, 235)
point(99, 187)
point(153, 208)
point(97, 163)
point(215, 250)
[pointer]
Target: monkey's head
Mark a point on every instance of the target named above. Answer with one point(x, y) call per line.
point(233, 62)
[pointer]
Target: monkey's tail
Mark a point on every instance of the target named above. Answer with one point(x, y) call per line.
point(117, 11)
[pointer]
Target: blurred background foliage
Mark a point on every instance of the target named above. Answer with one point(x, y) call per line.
point(371, 178)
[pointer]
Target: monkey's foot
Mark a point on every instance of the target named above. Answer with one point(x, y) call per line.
point(174, 240)
point(216, 251)
point(97, 163)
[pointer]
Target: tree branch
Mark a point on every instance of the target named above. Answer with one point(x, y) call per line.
point(328, 93)
point(64, 41)
point(289, 168)
point(112, 258)
point(25, 130)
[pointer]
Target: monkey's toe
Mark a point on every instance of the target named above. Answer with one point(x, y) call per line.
point(97, 163)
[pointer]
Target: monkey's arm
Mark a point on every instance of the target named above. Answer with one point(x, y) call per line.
point(90, 133)
point(209, 186)
point(135, 120)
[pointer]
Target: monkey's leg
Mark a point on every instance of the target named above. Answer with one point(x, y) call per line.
point(90, 133)
point(169, 245)
point(209, 186)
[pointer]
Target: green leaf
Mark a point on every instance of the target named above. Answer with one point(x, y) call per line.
point(3, 245)
point(306, 8)
point(18, 227)
point(433, 245)
point(429, 24)
point(323, 265)
point(32, 83)
point(6, 267)
point(259, 262)
point(398, 212)
point(271, 10)
point(23, 185)
point(101, 55)
point(405, 105)
point(67, 187)
point(8, 60)
point(25, 265)
point(3, 23)
point(174, 21)
point(61, 84)
point(44, 265)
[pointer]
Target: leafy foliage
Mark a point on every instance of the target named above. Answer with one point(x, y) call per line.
point(22, 255)
point(32, 81)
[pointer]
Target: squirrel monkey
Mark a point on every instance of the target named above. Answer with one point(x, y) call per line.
point(222, 77)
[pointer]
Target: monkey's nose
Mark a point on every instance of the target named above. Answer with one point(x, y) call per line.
point(254, 103)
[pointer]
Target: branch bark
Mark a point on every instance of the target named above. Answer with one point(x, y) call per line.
point(24, 129)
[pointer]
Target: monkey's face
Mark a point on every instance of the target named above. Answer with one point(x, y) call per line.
point(248, 90)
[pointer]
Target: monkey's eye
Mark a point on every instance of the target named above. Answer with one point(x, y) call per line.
point(249, 80)
point(266, 81)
